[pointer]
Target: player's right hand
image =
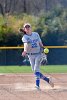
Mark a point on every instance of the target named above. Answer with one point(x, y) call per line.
point(24, 53)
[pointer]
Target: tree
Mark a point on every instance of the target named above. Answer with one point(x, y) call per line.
point(1, 9)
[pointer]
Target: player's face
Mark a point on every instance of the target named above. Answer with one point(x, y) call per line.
point(27, 29)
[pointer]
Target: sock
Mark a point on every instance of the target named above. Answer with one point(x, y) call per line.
point(44, 77)
point(37, 79)
point(40, 75)
point(37, 82)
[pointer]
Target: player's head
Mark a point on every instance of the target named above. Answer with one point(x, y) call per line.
point(27, 27)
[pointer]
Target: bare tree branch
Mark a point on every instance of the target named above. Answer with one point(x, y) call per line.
point(1, 10)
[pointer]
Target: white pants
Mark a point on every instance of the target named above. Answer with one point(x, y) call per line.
point(35, 62)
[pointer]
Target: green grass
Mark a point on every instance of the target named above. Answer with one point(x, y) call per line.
point(54, 69)
point(27, 69)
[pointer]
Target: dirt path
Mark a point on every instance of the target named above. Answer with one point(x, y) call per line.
point(22, 87)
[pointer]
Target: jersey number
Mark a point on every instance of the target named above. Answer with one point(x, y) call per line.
point(34, 45)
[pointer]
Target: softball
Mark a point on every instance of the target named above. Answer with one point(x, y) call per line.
point(46, 50)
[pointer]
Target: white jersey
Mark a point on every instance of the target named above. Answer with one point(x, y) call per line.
point(33, 41)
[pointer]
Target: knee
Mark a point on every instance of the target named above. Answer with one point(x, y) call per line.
point(36, 69)
point(37, 74)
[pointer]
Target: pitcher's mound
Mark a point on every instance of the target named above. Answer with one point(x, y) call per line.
point(31, 87)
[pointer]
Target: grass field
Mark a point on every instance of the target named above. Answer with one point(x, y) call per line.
point(27, 69)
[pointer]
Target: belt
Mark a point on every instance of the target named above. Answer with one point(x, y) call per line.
point(32, 53)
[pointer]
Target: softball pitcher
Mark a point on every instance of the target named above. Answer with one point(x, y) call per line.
point(33, 48)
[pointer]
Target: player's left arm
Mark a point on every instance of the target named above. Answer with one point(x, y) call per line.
point(40, 41)
point(41, 44)
point(41, 47)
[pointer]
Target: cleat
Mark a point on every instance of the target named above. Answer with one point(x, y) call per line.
point(50, 82)
point(37, 87)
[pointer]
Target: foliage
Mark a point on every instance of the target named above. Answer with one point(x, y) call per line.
point(52, 27)
point(9, 28)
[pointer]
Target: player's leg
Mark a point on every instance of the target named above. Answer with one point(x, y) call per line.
point(44, 77)
point(37, 76)
point(48, 80)
point(32, 62)
point(38, 73)
point(37, 70)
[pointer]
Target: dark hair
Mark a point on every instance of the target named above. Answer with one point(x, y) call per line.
point(22, 30)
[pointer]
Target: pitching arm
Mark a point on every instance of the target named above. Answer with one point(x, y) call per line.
point(25, 49)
